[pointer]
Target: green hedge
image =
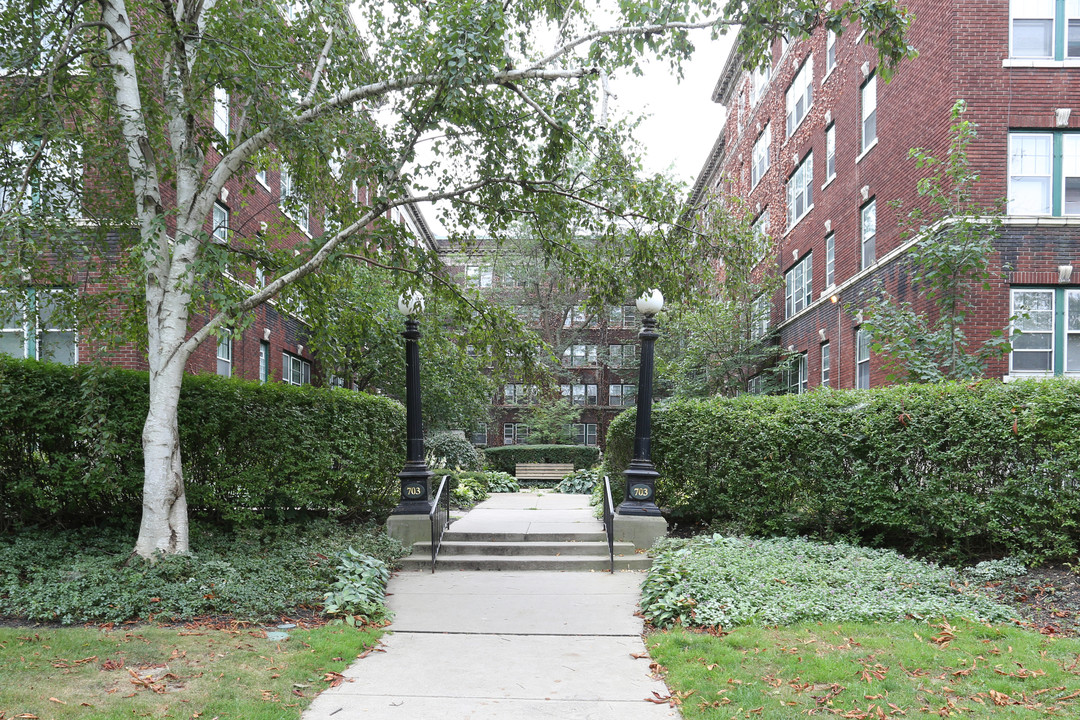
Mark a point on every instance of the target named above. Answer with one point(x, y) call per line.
point(951, 470)
point(71, 452)
point(506, 457)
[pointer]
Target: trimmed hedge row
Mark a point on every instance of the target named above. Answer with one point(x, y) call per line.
point(507, 457)
point(71, 450)
point(951, 471)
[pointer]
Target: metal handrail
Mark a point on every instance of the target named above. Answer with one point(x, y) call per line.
point(609, 522)
point(440, 519)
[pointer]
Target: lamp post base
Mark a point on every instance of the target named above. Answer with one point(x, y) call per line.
point(640, 490)
point(415, 489)
point(641, 530)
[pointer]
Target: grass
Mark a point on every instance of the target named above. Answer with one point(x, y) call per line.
point(869, 671)
point(156, 672)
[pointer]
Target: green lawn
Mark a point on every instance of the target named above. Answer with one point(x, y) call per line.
point(870, 670)
point(144, 671)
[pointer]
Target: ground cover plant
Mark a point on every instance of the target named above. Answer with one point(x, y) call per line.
point(183, 672)
point(251, 574)
point(723, 581)
point(869, 671)
point(581, 482)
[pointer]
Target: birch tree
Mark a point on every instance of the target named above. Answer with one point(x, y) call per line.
point(477, 103)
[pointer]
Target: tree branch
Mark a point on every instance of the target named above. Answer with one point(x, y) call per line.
point(319, 67)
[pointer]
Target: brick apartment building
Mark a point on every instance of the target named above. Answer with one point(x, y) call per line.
point(272, 348)
point(818, 145)
point(597, 351)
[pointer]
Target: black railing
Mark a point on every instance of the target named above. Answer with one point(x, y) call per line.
point(609, 522)
point(440, 518)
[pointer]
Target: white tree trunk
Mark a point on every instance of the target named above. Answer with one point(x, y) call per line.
point(164, 524)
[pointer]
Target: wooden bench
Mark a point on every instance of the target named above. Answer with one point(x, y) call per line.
point(542, 472)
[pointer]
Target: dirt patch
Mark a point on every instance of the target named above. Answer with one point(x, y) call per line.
point(1047, 599)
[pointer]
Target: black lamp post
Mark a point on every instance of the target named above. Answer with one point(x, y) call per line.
point(415, 477)
point(641, 475)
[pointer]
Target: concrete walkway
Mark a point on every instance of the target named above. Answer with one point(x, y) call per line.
point(522, 645)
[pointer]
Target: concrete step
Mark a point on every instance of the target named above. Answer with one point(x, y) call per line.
point(550, 549)
point(454, 536)
point(511, 563)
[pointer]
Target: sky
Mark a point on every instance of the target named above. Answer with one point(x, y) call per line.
point(683, 121)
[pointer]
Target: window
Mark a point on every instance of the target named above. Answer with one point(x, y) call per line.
point(624, 316)
point(53, 184)
point(622, 395)
point(581, 394)
point(260, 175)
point(869, 233)
point(800, 190)
point(760, 230)
point(479, 435)
point(830, 52)
point(826, 364)
point(796, 375)
point(1032, 25)
point(797, 286)
point(862, 359)
point(755, 385)
point(1072, 39)
point(868, 101)
point(486, 275)
point(760, 310)
point(264, 361)
point(759, 81)
point(830, 259)
point(221, 111)
point(291, 203)
point(518, 393)
point(580, 355)
point(1044, 173)
point(584, 433)
point(13, 326)
point(224, 356)
point(575, 316)
point(620, 356)
point(515, 434)
point(221, 224)
point(830, 152)
point(295, 370)
point(1045, 333)
point(760, 163)
point(800, 95)
point(32, 326)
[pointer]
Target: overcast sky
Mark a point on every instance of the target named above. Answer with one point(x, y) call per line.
point(683, 121)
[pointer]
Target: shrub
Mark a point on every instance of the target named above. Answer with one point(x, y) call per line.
point(451, 450)
point(71, 450)
point(952, 471)
point(581, 482)
point(507, 457)
point(727, 581)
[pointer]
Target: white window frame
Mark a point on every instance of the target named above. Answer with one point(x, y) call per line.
point(515, 433)
point(1033, 11)
point(798, 380)
point(1022, 319)
point(760, 312)
point(225, 356)
point(868, 104)
point(264, 361)
point(862, 359)
point(1071, 364)
point(830, 53)
point(1070, 170)
point(830, 153)
point(23, 328)
point(798, 286)
point(1028, 164)
point(221, 111)
point(295, 370)
point(481, 429)
point(287, 185)
point(759, 82)
point(1072, 20)
point(830, 260)
point(868, 234)
point(220, 231)
point(754, 385)
point(625, 392)
point(43, 328)
point(261, 178)
point(621, 355)
point(800, 96)
point(800, 189)
point(760, 159)
point(826, 364)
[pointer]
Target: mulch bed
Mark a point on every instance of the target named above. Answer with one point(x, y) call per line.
point(1047, 599)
